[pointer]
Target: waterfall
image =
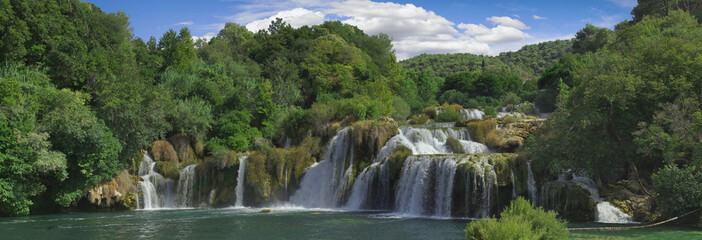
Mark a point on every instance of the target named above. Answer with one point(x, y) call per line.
point(425, 187)
point(362, 187)
point(239, 189)
point(514, 185)
point(531, 184)
point(606, 213)
point(151, 185)
point(326, 182)
point(433, 140)
point(487, 178)
point(184, 194)
point(470, 114)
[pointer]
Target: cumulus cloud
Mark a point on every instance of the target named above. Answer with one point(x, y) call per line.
point(508, 22)
point(537, 17)
point(414, 30)
point(297, 17)
point(205, 37)
point(499, 34)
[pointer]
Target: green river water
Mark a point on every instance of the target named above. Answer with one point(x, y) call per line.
point(279, 224)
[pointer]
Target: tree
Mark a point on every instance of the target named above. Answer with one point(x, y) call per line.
point(591, 39)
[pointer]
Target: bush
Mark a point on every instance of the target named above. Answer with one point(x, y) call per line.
point(449, 113)
point(479, 130)
point(519, 221)
point(430, 111)
point(419, 119)
point(454, 145)
point(679, 189)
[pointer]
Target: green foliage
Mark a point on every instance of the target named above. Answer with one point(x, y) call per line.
point(679, 189)
point(519, 221)
point(449, 113)
point(529, 62)
point(454, 145)
point(591, 39)
point(233, 131)
point(191, 117)
point(615, 95)
point(402, 109)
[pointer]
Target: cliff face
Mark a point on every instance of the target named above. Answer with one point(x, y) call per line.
point(117, 194)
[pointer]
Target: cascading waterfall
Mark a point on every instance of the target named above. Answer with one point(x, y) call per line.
point(155, 190)
point(425, 187)
point(531, 184)
point(326, 182)
point(185, 192)
point(470, 114)
point(239, 189)
point(433, 140)
point(606, 213)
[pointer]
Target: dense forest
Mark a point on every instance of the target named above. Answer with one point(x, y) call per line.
point(81, 97)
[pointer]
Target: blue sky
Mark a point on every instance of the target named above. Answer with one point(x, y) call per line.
point(416, 27)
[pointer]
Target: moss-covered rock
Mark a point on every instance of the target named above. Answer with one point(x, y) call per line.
point(631, 197)
point(454, 145)
point(368, 137)
point(163, 151)
point(508, 138)
point(570, 200)
point(168, 169)
point(267, 168)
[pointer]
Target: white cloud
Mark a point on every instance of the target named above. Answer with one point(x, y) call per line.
point(186, 23)
point(624, 3)
point(205, 37)
point(537, 17)
point(297, 17)
point(508, 22)
point(414, 30)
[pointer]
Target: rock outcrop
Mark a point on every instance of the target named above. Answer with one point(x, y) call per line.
point(118, 193)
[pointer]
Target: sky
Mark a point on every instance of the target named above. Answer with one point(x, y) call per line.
point(481, 27)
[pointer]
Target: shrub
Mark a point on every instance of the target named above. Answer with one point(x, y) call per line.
point(490, 112)
point(419, 119)
point(679, 189)
point(430, 111)
point(479, 130)
point(519, 221)
point(449, 113)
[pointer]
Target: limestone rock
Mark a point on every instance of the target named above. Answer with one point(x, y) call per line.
point(181, 144)
point(164, 151)
point(118, 193)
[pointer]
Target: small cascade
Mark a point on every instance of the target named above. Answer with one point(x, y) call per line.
point(239, 189)
point(433, 140)
point(326, 182)
point(606, 213)
point(470, 114)
point(425, 186)
point(514, 185)
point(531, 185)
point(184, 194)
point(510, 114)
point(155, 190)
